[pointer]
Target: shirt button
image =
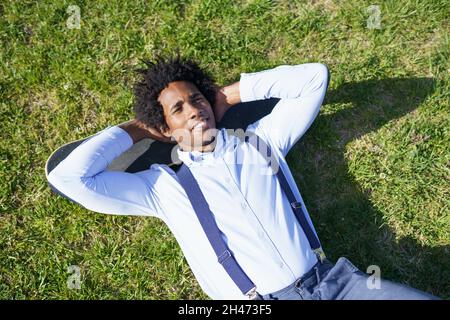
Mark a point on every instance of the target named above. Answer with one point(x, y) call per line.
point(243, 205)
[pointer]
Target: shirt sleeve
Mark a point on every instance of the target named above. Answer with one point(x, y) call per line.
point(301, 89)
point(83, 178)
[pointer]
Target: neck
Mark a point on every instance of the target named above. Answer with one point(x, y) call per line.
point(209, 147)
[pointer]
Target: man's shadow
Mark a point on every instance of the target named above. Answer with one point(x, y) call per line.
point(345, 219)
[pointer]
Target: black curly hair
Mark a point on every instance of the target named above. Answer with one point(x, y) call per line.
point(157, 76)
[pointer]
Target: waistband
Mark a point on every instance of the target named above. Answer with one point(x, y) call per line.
point(310, 278)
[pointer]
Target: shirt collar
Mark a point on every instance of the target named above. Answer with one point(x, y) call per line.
point(196, 157)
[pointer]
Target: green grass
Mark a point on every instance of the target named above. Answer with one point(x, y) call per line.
point(374, 168)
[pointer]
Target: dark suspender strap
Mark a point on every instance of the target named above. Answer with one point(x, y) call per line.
point(206, 218)
point(296, 205)
point(297, 208)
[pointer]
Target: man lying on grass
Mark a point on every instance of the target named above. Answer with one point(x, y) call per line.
point(233, 206)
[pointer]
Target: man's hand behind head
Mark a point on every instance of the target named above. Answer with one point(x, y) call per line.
point(138, 131)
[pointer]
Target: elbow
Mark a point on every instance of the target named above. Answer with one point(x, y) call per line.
point(324, 74)
point(63, 185)
point(56, 182)
point(53, 180)
point(319, 80)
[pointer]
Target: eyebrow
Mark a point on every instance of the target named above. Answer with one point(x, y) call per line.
point(193, 95)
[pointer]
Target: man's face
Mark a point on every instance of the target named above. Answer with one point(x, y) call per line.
point(188, 115)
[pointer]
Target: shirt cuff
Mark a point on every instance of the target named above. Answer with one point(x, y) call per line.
point(121, 137)
point(246, 88)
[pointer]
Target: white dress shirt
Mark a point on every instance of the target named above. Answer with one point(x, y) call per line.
point(249, 206)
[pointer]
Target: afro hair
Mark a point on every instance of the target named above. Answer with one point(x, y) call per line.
point(157, 76)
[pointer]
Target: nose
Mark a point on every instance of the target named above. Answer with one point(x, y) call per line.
point(193, 111)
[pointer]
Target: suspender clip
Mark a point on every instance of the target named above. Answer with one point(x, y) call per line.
point(252, 294)
point(296, 205)
point(320, 254)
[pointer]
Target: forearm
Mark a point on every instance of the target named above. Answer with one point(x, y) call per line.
point(83, 178)
point(135, 130)
point(93, 155)
point(301, 89)
point(285, 82)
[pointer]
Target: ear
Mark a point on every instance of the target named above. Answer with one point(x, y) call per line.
point(166, 132)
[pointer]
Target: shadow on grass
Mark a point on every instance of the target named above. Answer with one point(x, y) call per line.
point(347, 222)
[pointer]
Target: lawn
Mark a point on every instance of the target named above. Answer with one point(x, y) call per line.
point(374, 168)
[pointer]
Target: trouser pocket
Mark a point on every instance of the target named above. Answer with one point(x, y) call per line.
point(336, 280)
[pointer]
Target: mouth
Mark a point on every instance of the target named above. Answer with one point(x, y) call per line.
point(200, 125)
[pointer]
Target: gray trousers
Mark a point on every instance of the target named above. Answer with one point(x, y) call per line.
point(344, 281)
